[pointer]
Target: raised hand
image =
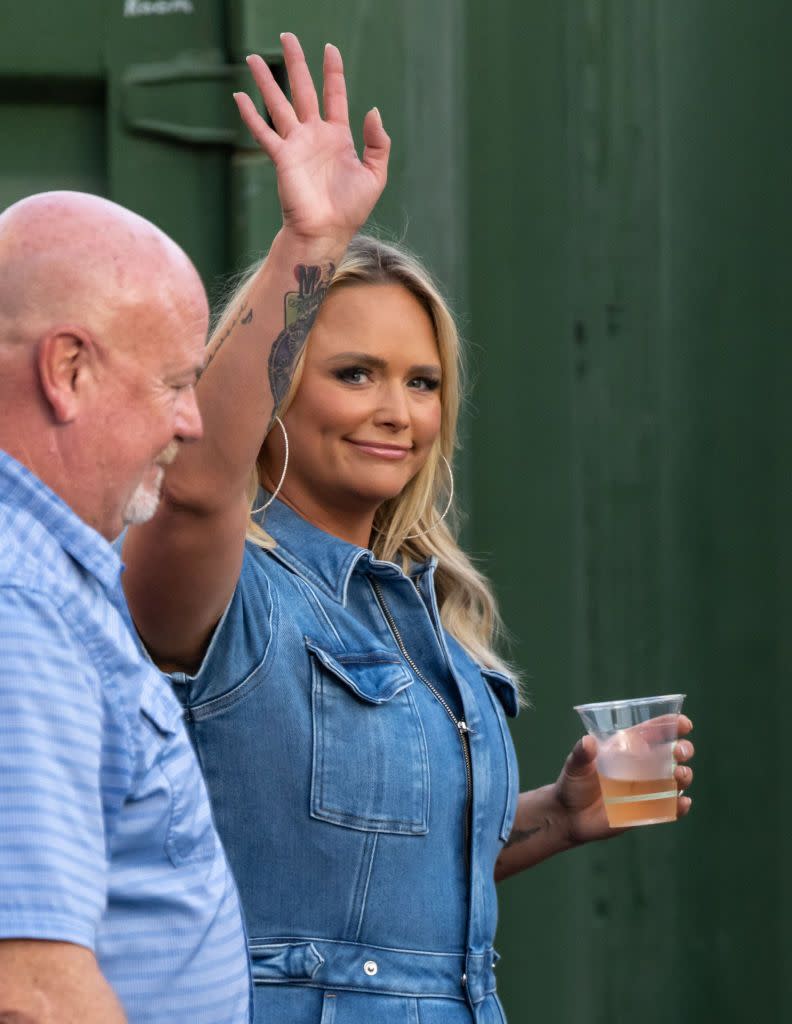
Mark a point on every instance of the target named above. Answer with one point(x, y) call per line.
point(578, 789)
point(325, 189)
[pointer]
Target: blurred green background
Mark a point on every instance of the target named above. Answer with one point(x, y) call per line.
point(603, 189)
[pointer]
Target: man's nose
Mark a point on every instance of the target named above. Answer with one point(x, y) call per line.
point(189, 425)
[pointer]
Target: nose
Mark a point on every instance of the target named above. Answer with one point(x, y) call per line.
point(393, 410)
point(189, 425)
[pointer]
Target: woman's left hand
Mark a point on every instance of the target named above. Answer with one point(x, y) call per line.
point(578, 790)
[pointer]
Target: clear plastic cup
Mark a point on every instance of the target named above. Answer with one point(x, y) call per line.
point(635, 757)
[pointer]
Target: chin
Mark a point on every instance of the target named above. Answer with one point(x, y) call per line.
point(143, 504)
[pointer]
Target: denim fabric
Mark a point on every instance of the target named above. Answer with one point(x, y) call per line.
point(338, 785)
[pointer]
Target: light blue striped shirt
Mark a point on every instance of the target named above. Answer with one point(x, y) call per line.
point(106, 837)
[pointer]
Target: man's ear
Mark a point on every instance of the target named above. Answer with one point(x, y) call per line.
point(65, 360)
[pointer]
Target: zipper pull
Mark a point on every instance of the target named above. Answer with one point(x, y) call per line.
point(462, 726)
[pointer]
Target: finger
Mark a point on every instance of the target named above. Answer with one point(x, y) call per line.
point(280, 110)
point(684, 751)
point(582, 756)
point(684, 725)
point(269, 140)
point(306, 104)
point(334, 96)
point(683, 776)
point(377, 145)
point(684, 804)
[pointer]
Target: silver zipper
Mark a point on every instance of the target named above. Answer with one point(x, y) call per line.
point(459, 724)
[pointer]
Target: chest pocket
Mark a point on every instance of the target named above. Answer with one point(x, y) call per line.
point(173, 787)
point(505, 700)
point(370, 769)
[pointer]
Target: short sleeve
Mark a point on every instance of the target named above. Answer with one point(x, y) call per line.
point(53, 876)
point(241, 640)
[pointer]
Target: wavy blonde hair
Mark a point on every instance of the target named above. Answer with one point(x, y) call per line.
point(467, 606)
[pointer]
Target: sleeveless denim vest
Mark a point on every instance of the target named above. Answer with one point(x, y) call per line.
point(363, 781)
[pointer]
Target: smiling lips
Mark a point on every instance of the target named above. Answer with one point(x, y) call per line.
point(382, 450)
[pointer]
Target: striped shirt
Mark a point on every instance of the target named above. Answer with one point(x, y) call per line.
point(106, 837)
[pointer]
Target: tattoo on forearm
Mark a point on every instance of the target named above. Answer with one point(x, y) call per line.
point(243, 315)
point(520, 835)
point(300, 309)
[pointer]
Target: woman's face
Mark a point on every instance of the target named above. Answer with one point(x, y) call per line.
point(367, 409)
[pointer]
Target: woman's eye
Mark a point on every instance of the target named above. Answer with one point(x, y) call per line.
point(353, 375)
point(425, 383)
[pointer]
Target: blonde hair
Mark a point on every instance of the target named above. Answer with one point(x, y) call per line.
point(467, 606)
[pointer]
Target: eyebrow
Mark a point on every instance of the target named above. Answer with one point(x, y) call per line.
point(376, 363)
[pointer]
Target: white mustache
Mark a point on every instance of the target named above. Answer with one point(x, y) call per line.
point(167, 455)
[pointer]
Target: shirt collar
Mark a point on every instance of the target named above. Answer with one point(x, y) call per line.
point(22, 489)
point(320, 558)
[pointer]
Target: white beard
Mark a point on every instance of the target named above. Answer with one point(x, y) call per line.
point(144, 502)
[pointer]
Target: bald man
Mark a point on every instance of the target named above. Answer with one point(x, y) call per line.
point(116, 902)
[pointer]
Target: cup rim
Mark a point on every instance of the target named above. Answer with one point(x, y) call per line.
point(629, 702)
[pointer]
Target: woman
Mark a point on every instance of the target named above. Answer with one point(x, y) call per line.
point(337, 669)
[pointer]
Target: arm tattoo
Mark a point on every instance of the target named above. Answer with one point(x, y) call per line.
point(243, 315)
point(520, 835)
point(301, 308)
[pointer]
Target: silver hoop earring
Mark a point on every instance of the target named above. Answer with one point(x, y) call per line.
point(276, 492)
point(436, 523)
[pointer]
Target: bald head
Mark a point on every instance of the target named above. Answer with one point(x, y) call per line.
point(70, 257)
point(103, 321)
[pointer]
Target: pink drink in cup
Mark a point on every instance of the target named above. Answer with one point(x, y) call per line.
point(635, 757)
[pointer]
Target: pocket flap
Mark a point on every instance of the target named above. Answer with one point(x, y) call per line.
point(160, 706)
point(374, 676)
point(505, 689)
point(284, 961)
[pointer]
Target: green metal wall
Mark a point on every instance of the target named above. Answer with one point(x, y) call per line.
point(602, 188)
point(630, 281)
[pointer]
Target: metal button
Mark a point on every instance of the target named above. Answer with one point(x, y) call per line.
point(463, 979)
point(370, 967)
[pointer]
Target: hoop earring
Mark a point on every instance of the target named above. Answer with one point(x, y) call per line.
point(436, 523)
point(276, 492)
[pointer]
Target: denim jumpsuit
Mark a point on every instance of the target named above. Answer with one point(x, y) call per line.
point(363, 781)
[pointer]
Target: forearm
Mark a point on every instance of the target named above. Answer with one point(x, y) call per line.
point(541, 829)
point(250, 364)
point(53, 983)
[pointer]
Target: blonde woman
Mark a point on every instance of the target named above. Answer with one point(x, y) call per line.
point(333, 650)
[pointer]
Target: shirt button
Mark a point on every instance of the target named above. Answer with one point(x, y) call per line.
point(463, 980)
point(370, 967)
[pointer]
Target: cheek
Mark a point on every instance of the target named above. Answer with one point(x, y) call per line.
point(427, 420)
point(328, 411)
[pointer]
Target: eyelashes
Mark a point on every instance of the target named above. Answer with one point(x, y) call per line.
point(356, 375)
point(429, 383)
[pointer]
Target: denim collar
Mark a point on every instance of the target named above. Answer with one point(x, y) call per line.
point(22, 490)
point(324, 561)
